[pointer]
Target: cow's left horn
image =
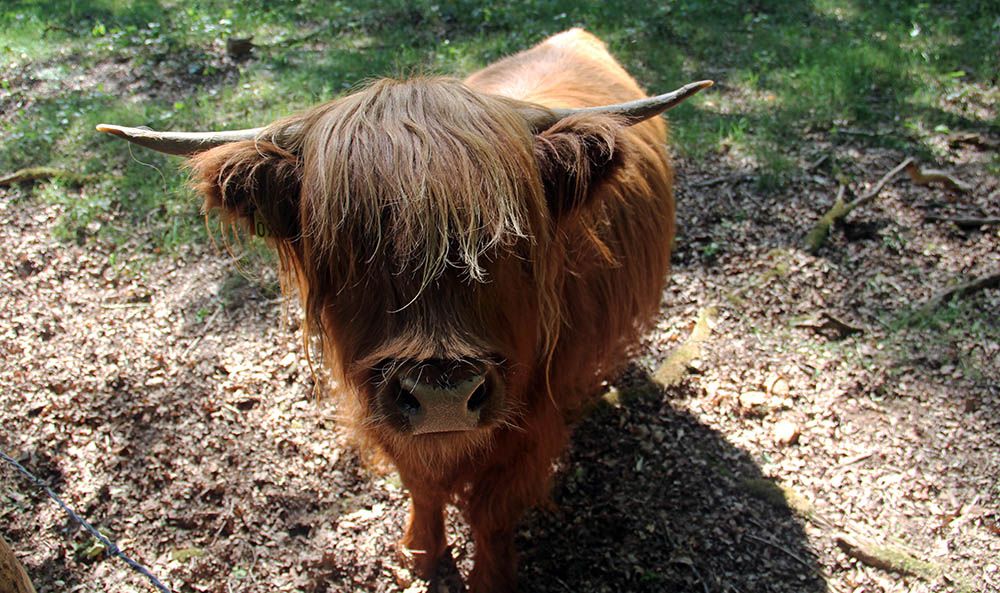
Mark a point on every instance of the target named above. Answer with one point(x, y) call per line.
point(182, 143)
point(632, 112)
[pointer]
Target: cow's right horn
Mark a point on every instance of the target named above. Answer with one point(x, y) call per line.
point(631, 112)
point(180, 143)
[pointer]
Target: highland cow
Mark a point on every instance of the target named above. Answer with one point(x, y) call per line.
point(475, 258)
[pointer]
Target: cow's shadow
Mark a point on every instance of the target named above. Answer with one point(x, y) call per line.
point(650, 499)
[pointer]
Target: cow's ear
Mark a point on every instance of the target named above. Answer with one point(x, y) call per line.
point(253, 184)
point(575, 156)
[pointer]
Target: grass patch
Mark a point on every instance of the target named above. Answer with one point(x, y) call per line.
point(885, 73)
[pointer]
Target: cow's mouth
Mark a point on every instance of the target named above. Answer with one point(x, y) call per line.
point(439, 396)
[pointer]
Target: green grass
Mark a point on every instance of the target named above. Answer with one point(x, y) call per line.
point(873, 72)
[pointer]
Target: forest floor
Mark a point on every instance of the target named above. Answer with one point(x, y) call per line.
point(831, 429)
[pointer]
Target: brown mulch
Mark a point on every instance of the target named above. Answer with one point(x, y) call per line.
point(168, 400)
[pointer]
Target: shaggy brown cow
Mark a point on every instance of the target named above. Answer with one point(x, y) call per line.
point(475, 257)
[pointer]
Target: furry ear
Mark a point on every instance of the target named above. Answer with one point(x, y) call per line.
point(253, 184)
point(575, 156)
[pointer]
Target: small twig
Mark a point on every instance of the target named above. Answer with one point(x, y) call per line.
point(856, 458)
point(50, 27)
point(304, 38)
point(874, 191)
point(722, 179)
point(817, 162)
point(964, 289)
point(123, 305)
point(777, 546)
point(857, 132)
point(204, 330)
point(964, 222)
point(690, 564)
point(927, 176)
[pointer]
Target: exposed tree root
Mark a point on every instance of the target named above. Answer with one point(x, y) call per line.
point(961, 290)
point(964, 222)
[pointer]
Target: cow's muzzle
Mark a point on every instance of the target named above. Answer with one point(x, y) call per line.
point(439, 395)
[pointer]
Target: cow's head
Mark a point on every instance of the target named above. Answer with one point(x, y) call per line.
point(418, 220)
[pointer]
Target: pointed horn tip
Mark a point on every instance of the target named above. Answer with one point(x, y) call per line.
point(111, 129)
point(696, 87)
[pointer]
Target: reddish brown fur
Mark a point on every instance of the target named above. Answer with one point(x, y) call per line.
point(423, 219)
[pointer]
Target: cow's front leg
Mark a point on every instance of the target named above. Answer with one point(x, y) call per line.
point(498, 498)
point(495, 569)
point(424, 541)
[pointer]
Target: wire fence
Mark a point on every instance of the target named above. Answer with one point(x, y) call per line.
point(111, 548)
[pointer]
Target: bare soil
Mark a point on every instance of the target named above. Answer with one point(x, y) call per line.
point(168, 400)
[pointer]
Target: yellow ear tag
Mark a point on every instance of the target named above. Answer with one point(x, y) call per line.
point(260, 225)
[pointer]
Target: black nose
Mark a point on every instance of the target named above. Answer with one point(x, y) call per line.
point(442, 395)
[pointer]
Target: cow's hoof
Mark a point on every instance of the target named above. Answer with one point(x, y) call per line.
point(423, 564)
point(483, 581)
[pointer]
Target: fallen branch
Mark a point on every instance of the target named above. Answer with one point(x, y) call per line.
point(672, 370)
point(674, 367)
point(927, 176)
point(885, 557)
point(821, 230)
point(840, 209)
point(961, 290)
point(32, 174)
point(964, 222)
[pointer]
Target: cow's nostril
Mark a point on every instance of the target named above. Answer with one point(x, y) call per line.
point(407, 402)
point(478, 397)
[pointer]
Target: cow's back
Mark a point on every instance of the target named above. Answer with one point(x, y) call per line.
point(617, 257)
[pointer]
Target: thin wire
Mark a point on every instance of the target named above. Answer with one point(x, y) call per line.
point(110, 546)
